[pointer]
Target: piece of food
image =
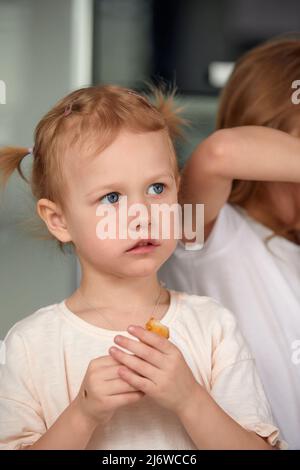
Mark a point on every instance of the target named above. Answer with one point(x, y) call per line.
point(157, 327)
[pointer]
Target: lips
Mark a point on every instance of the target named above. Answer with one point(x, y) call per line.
point(144, 243)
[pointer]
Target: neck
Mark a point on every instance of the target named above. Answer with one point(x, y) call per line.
point(118, 294)
point(262, 216)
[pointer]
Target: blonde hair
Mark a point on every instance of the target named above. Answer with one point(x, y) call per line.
point(75, 121)
point(259, 93)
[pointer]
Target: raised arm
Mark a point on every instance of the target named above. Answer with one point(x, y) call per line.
point(244, 153)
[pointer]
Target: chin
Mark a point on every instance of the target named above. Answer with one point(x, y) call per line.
point(144, 268)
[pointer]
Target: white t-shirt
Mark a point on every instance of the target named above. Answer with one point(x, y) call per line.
point(260, 284)
point(48, 352)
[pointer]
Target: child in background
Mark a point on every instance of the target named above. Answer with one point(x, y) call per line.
point(249, 180)
point(63, 385)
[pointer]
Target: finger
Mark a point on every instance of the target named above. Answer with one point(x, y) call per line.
point(115, 401)
point(135, 363)
point(110, 373)
point(149, 354)
point(117, 386)
point(140, 383)
point(152, 339)
point(103, 361)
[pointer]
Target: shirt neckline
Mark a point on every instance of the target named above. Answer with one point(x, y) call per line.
point(89, 327)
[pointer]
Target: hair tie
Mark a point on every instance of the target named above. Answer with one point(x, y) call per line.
point(68, 109)
point(30, 151)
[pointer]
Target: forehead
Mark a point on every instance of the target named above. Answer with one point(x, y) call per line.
point(129, 155)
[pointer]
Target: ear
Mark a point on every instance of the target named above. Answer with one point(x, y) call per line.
point(53, 217)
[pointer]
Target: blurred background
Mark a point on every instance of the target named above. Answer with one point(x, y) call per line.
point(48, 49)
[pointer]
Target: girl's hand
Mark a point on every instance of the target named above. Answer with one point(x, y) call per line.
point(102, 391)
point(157, 368)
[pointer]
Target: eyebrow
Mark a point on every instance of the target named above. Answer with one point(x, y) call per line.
point(116, 184)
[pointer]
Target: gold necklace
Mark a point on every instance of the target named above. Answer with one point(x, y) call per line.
point(97, 310)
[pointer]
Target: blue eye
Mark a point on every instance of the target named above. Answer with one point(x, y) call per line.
point(158, 188)
point(110, 198)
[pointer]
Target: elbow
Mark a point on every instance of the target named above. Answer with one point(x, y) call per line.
point(214, 154)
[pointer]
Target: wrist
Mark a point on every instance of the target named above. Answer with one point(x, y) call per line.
point(79, 418)
point(197, 399)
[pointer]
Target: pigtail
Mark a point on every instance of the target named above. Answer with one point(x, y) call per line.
point(10, 160)
point(164, 101)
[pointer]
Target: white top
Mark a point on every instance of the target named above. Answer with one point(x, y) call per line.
point(260, 283)
point(48, 352)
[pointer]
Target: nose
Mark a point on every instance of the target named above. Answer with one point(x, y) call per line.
point(143, 220)
point(143, 225)
point(139, 219)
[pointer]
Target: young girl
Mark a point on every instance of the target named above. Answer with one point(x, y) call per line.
point(64, 385)
point(248, 178)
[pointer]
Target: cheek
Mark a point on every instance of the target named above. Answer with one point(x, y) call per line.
point(166, 250)
point(88, 237)
point(99, 252)
point(169, 247)
point(169, 226)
